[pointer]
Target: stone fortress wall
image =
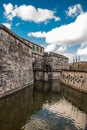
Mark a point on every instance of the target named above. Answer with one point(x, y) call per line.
point(75, 79)
point(22, 61)
point(37, 60)
point(49, 66)
point(55, 62)
point(46, 65)
point(15, 62)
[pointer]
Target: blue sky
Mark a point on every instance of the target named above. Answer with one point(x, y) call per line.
point(58, 25)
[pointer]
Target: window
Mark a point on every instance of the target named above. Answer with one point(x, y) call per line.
point(33, 47)
point(37, 49)
point(40, 50)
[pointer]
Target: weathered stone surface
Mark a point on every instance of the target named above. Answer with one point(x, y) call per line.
point(15, 63)
point(22, 61)
point(52, 64)
point(75, 79)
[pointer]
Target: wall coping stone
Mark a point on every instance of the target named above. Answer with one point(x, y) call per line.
point(14, 35)
point(14, 90)
point(54, 54)
point(74, 70)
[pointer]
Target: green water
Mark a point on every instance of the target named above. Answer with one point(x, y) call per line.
point(44, 106)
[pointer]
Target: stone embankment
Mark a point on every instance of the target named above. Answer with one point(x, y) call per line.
point(75, 79)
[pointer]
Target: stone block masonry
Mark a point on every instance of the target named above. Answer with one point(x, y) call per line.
point(49, 66)
point(22, 62)
point(54, 63)
point(15, 62)
point(75, 79)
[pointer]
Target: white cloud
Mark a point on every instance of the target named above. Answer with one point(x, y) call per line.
point(82, 51)
point(55, 48)
point(8, 10)
point(8, 25)
point(70, 56)
point(50, 48)
point(83, 45)
point(29, 13)
point(17, 24)
point(37, 34)
point(81, 54)
point(74, 10)
point(72, 33)
point(61, 49)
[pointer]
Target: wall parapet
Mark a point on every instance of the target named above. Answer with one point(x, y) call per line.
point(22, 61)
point(75, 79)
point(75, 70)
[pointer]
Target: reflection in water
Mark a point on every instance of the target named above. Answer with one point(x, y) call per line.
point(75, 97)
point(44, 109)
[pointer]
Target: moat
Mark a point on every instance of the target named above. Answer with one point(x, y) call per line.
point(44, 106)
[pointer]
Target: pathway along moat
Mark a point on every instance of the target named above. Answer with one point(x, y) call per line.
point(41, 108)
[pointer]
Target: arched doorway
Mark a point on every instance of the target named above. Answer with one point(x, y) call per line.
point(47, 71)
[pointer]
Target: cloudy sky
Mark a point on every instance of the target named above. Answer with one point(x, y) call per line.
point(58, 25)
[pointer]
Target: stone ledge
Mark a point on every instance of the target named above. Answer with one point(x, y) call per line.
point(74, 70)
point(73, 87)
point(15, 90)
